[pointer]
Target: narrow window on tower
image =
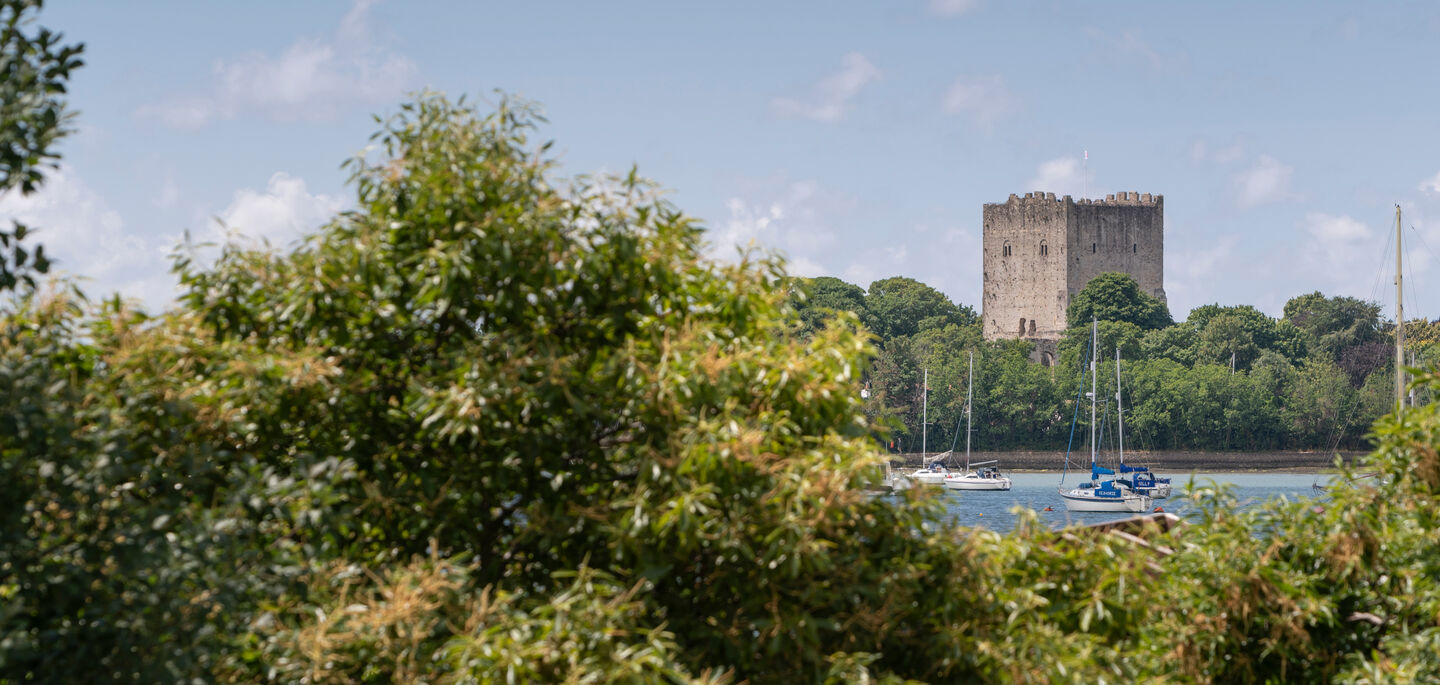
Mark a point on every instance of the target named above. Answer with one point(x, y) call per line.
point(1044, 249)
point(1134, 248)
point(1005, 251)
point(1092, 248)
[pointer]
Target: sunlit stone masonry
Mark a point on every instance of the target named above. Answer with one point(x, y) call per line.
point(1040, 251)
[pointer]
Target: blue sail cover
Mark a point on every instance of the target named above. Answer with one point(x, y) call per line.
point(1096, 471)
point(1126, 468)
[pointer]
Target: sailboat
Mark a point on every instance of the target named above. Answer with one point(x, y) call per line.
point(932, 472)
point(1096, 494)
point(989, 476)
point(1138, 478)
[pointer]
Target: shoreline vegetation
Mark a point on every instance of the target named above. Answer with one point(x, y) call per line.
point(1168, 461)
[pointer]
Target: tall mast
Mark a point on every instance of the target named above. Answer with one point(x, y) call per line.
point(924, 414)
point(1399, 321)
point(969, 410)
point(1094, 387)
point(1119, 408)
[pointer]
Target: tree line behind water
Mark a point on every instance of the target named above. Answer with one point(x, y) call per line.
point(1228, 377)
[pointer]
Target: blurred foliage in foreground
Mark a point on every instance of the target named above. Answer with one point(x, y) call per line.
point(496, 426)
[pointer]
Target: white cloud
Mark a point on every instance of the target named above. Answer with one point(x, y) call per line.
point(1267, 180)
point(1063, 176)
point(89, 240)
point(1431, 185)
point(1334, 242)
point(862, 274)
point(985, 100)
point(280, 214)
point(952, 8)
point(832, 96)
point(1192, 274)
point(790, 221)
point(314, 79)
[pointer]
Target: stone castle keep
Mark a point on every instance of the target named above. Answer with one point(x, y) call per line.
point(1040, 251)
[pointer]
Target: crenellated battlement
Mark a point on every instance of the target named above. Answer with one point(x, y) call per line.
point(1121, 199)
point(1125, 198)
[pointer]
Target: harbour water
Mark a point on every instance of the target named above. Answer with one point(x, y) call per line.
point(1039, 490)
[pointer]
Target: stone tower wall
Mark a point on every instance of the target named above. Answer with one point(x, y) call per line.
point(1029, 284)
point(1124, 232)
point(1081, 240)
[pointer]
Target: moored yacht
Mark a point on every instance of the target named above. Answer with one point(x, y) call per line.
point(987, 478)
point(1102, 495)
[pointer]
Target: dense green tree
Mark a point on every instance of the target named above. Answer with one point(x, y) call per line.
point(1320, 405)
point(902, 306)
point(895, 380)
point(1018, 403)
point(945, 353)
point(1420, 332)
point(1179, 343)
point(1226, 340)
point(1272, 372)
point(1116, 296)
point(1264, 332)
point(817, 299)
point(36, 65)
point(1336, 323)
point(1124, 335)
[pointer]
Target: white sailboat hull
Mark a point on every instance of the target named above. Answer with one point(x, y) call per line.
point(1084, 500)
point(928, 478)
point(977, 483)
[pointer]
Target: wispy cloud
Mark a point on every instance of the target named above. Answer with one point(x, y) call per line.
point(1192, 271)
point(985, 99)
point(792, 221)
point(1267, 180)
point(1431, 185)
point(1062, 176)
point(952, 8)
point(833, 96)
point(316, 78)
point(1330, 251)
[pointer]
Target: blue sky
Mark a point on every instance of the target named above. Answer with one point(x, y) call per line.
point(860, 139)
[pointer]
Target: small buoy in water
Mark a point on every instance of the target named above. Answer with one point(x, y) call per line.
point(1159, 508)
point(1049, 509)
point(982, 514)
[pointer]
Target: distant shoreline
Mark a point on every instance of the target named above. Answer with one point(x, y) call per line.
point(1176, 461)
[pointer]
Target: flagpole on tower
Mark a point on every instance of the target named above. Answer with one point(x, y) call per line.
point(1087, 173)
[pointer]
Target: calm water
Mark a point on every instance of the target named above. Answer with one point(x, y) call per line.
point(1038, 490)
